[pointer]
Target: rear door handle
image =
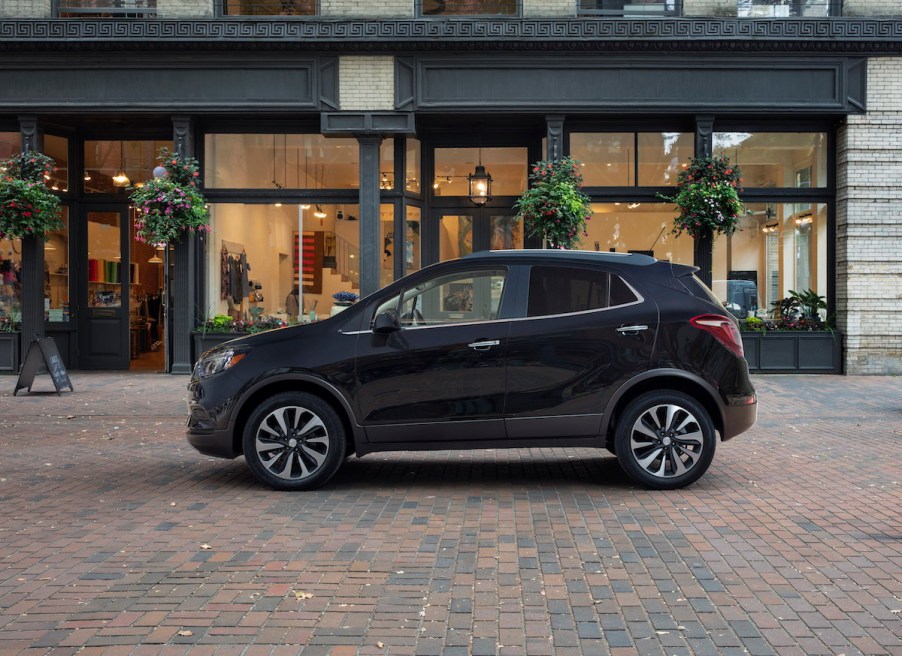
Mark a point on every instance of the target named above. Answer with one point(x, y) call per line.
point(484, 344)
point(631, 330)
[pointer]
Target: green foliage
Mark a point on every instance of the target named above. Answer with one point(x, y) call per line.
point(707, 197)
point(27, 206)
point(222, 323)
point(553, 207)
point(10, 325)
point(753, 324)
point(172, 204)
point(809, 302)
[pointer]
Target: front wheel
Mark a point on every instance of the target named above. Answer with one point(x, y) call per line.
point(294, 441)
point(665, 440)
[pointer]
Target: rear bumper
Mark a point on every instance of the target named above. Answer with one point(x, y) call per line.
point(739, 416)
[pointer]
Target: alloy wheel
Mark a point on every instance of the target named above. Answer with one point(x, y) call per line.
point(666, 440)
point(292, 442)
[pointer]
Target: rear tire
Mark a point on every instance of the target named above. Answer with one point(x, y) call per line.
point(294, 441)
point(665, 440)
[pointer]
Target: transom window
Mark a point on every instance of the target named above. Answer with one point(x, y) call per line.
point(105, 8)
point(565, 290)
point(786, 8)
point(443, 8)
point(630, 8)
point(629, 159)
point(269, 7)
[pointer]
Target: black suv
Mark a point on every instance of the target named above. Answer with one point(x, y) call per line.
point(498, 349)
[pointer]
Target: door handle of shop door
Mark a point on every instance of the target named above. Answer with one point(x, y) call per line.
point(631, 330)
point(484, 344)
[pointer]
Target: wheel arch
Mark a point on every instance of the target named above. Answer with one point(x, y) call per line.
point(294, 383)
point(657, 380)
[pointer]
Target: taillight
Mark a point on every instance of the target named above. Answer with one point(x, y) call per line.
point(723, 329)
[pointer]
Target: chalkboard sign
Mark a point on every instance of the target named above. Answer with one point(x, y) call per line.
point(42, 358)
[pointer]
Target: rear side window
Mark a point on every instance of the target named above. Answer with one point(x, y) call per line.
point(564, 290)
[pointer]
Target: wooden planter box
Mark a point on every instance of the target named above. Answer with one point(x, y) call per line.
point(206, 341)
point(9, 353)
point(793, 352)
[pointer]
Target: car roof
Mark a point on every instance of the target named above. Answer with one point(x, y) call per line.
point(559, 256)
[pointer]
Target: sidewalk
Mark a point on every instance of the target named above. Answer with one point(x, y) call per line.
point(116, 537)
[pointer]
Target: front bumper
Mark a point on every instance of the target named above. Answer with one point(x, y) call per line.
point(208, 429)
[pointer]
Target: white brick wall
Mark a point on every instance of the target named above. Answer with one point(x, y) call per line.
point(549, 8)
point(366, 83)
point(25, 8)
point(184, 8)
point(869, 227)
point(367, 8)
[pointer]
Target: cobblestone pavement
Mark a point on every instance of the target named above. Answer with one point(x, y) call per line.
point(117, 538)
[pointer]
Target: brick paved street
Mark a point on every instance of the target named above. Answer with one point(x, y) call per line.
point(117, 538)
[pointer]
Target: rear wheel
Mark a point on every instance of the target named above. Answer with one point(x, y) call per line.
point(665, 440)
point(294, 441)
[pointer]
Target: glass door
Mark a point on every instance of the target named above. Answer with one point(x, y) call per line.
point(104, 297)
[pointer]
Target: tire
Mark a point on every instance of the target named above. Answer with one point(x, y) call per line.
point(294, 441)
point(665, 440)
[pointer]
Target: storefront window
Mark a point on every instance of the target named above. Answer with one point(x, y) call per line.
point(281, 161)
point(453, 166)
point(105, 259)
point(611, 159)
point(412, 244)
point(389, 244)
point(412, 183)
point(387, 165)
point(11, 279)
point(776, 159)
point(468, 7)
point(58, 149)
point(636, 228)
point(112, 166)
point(258, 265)
point(56, 272)
point(779, 247)
point(507, 232)
point(455, 237)
point(269, 7)
point(10, 144)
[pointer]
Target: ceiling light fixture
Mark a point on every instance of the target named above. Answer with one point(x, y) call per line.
point(121, 179)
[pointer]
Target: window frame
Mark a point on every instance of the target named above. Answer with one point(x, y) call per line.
point(418, 4)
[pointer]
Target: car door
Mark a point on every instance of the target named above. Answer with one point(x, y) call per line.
point(585, 330)
point(441, 376)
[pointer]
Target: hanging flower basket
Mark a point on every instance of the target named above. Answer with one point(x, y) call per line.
point(27, 206)
point(553, 207)
point(707, 197)
point(170, 204)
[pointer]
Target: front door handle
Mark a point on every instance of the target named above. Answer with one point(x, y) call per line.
point(484, 344)
point(631, 330)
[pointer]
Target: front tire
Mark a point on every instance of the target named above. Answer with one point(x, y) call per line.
point(665, 440)
point(294, 441)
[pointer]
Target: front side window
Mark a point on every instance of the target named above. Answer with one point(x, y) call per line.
point(565, 290)
point(465, 296)
point(269, 7)
point(469, 7)
point(106, 8)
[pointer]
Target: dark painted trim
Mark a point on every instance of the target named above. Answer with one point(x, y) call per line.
point(379, 123)
point(871, 36)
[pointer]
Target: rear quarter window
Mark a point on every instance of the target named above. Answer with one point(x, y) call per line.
point(565, 290)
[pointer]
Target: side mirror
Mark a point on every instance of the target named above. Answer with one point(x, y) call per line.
point(386, 322)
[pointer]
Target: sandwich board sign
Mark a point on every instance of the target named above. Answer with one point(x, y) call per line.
point(43, 358)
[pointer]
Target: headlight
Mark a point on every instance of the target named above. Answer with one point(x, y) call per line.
point(217, 362)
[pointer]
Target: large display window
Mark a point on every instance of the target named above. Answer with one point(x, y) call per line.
point(629, 159)
point(280, 161)
point(453, 166)
point(111, 166)
point(779, 247)
point(281, 259)
point(795, 160)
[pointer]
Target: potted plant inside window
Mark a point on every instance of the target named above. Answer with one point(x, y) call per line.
point(554, 207)
point(707, 197)
point(170, 204)
point(221, 328)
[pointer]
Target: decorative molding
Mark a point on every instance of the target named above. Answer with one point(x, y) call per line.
point(367, 123)
point(838, 35)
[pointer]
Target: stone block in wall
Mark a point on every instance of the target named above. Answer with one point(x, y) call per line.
point(366, 83)
point(25, 8)
point(184, 8)
point(362, 9)
point(549, 8)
